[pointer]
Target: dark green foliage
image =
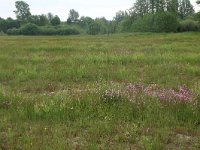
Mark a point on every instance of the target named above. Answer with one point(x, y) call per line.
point(73, 16)
point(40, 20)
point(55, 21)
point(143, 24)
point(3, 25)
point(165, 22)
point(188, 25)
point(9, 23)
point(144, 16)
point(160, 22)
point(32, 29)
point(48, 31)
point(23, 11)
point(29, 29)
point(185, 9)
point(95, 26)
point(153, 16)
point(13, 31)
point(67, 31)
point(125, 25)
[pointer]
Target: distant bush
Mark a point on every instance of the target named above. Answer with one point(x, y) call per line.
point(188, 25)
point(143, 24)
point(68, 31)
point(55, 21)
point(13, 31)
point(165, 22)
point(160, 22)
point(2, 33)
point(48, 31)
point(30, 29)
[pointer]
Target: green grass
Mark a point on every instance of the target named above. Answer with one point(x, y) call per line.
point(51, 92)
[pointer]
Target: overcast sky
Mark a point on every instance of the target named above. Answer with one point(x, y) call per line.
point(92, 8)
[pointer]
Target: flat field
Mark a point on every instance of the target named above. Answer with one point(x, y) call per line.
point(127, 91)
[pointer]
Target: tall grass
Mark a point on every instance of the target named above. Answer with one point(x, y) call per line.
point(100, 92)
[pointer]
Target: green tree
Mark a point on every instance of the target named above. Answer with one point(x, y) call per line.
point(30, 29)
point(50, 16)
point(85, 22)
point(55, 21)
point(11, 23)
point(172, 6)
point(40, 20)
point(8, 23)
point(73, 16)
point(186, 9)
point(141, 7)
point(3, 25)
point(43, 20)
point(23, 11)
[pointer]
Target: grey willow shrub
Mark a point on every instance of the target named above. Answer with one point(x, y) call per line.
point(68, 31)
point(13, 31)
point(48, 31)
point(188, 25)
point(30, 29)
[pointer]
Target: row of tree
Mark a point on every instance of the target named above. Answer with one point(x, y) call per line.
point(181, 8)
point(145, 15)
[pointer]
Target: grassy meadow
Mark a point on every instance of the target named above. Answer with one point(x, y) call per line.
point(126, 91)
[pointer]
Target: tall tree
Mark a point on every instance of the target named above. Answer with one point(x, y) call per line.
point(55, 21)
point(3, 25)
point(40, 20)
point(186, 9)
point(23, 11)
point(141, 7)
point(8, 23)
point(50, 16)
point(172, 6)
point(73, 16)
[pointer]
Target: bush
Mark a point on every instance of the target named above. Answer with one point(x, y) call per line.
point(143, 24)
point(188, 25)
point(160, 22)
point(68, 31)
point(55, 21)
point(48, 31)
point(13, 31)
point(30, 29)
point(165, 22)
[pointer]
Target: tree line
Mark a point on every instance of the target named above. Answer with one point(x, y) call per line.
point(143, 16)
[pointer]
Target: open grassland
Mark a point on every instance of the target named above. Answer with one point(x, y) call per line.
point(130, 91)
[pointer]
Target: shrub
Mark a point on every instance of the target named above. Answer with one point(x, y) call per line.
point(160, 22)
point(143, 24)
point(48, 31)
point(2, 33)
point(68, 31)
point(30, 29)
point(165, 22)
point(55, 21)
point(188, 25)
point(13, 31)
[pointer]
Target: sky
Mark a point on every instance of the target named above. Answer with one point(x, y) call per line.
point(91, 8)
